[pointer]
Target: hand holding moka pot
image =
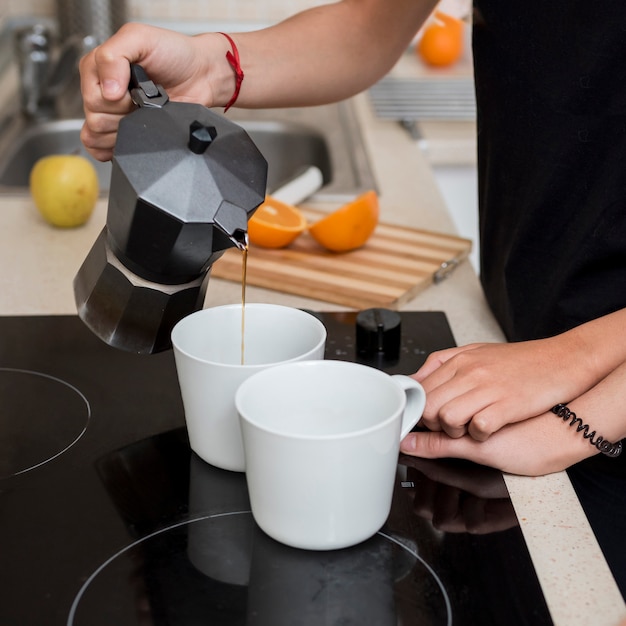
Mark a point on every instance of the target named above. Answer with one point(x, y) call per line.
point(184, 183)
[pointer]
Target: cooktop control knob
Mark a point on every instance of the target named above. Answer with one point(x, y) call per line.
point(378, 334)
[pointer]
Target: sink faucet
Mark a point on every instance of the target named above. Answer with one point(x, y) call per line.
point(44, 75)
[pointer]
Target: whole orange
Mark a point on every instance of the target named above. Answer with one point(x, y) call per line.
point(442, 40)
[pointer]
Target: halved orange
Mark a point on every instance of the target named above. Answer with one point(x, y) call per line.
point(275, 224)
point(350, 226)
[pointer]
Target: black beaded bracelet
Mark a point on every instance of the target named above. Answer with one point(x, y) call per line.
point(606, 447)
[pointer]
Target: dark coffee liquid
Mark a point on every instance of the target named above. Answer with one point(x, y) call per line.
point(244, 269)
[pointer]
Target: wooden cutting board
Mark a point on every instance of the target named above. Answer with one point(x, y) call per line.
point(395, 264)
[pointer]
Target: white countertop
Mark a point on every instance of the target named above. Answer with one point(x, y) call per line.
point(39, 263)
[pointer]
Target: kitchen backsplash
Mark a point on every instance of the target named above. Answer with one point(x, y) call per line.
point(177, 10)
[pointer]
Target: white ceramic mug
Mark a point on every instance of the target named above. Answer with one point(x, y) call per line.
point(208, 354)
point(321, 441)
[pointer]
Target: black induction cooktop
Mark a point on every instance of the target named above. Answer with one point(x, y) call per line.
point(107, 518)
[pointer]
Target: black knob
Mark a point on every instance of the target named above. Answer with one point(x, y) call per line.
point(378, 333)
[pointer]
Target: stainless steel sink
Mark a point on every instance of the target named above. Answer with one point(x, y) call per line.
point(326, 136)
point(27, 143)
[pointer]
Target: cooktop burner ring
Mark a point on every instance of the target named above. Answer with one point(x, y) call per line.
point(36, 396)
point(417, 560)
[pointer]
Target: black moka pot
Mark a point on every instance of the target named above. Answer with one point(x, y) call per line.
point(184, 183)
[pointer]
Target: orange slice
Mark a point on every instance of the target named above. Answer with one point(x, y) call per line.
point(275, 224)
point(350, 226)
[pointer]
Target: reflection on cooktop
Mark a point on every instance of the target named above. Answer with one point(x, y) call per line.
point(451, 552)
point(41, 417)
point(128, 527)
point(223, 569)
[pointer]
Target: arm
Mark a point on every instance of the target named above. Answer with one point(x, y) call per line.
point(329, 52)
point(540, 445)
point(479, 388)
point(324, 54)
point(490, 403)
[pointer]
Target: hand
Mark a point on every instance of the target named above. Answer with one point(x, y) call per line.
point(191, 69)
point(533, 447)
point(538, 445)
point(460, 497)
point(302, 61)
point(477, 389)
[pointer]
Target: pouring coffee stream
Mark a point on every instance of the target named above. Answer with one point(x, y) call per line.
point(184, 182)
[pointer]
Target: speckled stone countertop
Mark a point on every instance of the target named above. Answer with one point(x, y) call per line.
point(39, 262)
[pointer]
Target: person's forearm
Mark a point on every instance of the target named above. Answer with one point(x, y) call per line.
point(601, 409)
point(322, 55)
point(326, 53)
point(595, 348)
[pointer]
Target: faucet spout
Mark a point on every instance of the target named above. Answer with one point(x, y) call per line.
point(33, 54)
point(43, 74)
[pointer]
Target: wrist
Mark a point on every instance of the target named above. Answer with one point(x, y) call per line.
point(599, 345)
point(232, 56)
point(219, 76)
point(588, 433)
point(573, 359)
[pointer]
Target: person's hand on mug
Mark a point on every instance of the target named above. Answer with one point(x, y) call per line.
point(479, 388)
point(533, 447)
point(542, 444)
point(190, 69)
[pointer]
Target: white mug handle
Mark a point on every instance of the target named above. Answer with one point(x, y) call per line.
point(415, 402)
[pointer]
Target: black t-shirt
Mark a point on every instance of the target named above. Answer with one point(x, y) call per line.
point(551, 94)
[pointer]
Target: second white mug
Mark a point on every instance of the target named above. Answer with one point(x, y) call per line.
point(208, 354)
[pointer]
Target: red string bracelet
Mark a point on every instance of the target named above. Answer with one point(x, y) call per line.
point(233, 61)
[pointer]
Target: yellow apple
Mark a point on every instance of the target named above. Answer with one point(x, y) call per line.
point(64, 188)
